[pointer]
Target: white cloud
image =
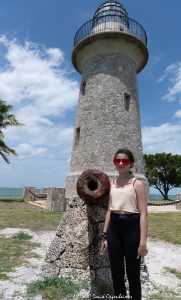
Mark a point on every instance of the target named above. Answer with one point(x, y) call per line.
point(167, 137)
point(178, 114)
point(27, 151)
point(163, 138)
point(173, 73)
point(35, 81)
point(34, 73)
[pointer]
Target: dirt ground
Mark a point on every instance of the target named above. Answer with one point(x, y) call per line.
point(161, 255)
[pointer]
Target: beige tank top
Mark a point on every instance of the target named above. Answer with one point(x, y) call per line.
point(124, 198)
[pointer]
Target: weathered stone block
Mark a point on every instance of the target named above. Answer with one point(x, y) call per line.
point(55, 200)
point(76, 246)
point(28, 194)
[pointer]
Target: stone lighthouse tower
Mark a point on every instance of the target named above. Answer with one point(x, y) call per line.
point(109, 51)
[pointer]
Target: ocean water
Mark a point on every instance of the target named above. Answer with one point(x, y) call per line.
point(6, 192)
point(160, 197)
point(18, 192)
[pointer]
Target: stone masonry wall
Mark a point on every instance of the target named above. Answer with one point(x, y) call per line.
point(107, 116)
point(51, 198)
point(55, 200)
point(27, 195)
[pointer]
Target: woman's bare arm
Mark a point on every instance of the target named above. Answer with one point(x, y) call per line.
point(142, 206)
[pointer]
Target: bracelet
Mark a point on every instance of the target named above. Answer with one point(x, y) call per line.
point(104, 235)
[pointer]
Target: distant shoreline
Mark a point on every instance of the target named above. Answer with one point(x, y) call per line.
point(6, 192)
point(12, 192)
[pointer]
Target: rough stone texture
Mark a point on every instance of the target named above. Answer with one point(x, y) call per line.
point(75, 249)
point(104, 123)
point(55, 200)
point(107, 119)
point(27, 195)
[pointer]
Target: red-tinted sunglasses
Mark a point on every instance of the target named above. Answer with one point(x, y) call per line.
point(124, 161)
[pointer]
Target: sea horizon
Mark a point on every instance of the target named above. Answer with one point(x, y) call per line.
point(11, 192)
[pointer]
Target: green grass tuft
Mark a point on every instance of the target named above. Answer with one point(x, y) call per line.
point(53, 288)
point(173, 271)
point(22, 236)
point(162, 293)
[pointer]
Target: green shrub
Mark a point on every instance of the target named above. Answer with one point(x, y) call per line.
point(22, 236)
point(53, 288)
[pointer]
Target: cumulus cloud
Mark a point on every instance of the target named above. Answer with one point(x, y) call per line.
point(178, 114)
point(27, 151)
point(163, 138)
point(166, 137)
point(35, 81)
point(35, 73)
point(173, 74)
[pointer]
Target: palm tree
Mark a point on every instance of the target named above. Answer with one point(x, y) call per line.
point(6, 119)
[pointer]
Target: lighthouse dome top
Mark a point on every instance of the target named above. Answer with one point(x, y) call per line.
point(111, 8)
point(112, 25)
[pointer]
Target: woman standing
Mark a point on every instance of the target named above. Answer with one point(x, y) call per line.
point(125, 228)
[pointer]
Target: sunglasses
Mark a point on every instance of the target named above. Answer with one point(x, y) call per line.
point(124, 161)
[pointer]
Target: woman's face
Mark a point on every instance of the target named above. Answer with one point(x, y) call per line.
point(122, 163)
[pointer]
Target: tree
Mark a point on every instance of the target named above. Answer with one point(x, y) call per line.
point(163, 171)
point(6, 119)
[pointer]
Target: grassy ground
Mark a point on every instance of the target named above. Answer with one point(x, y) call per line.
point(162, 293)
point(165, 226)
point(23, 215)
point(162, 226)
point(15, 251)
point(54, 288)
point(6, 200)
point(174, 271)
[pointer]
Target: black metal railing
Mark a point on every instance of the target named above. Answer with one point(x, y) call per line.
point(111, 23)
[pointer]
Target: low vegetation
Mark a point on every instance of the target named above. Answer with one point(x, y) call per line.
point(14, 252)
point(165, 226)
point(163, 293)
point(10, 199)
point(54, 288)
point(23, 215)
point(21, 236)
point(173, 271)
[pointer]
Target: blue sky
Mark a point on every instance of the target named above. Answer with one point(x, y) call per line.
point(38, 79)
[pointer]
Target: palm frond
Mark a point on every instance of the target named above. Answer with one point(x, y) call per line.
point(4, 157)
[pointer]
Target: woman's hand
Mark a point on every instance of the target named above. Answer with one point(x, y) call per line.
point(103, 246)
point(142, 251)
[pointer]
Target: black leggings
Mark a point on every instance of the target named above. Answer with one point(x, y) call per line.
point(123, 242)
